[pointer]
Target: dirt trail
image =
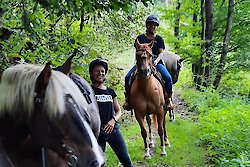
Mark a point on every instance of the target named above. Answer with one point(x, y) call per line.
point(180, 106)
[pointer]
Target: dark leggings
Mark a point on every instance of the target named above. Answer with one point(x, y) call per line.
point(118, 145)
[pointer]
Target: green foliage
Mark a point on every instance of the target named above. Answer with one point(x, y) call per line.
point(39, 35)
point(226, 130)
point(236, 84)
point(224, 120)
point(89, 6)
point(188, 41)
point(242, 159)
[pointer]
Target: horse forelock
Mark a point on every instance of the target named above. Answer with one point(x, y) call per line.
point(18, 85)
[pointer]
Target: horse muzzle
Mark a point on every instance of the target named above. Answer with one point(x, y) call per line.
point(146, 72)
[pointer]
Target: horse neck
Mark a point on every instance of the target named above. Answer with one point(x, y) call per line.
point(143, 81)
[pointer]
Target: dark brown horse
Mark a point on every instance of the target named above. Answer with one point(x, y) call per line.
point(146, 97)
point(43, 108)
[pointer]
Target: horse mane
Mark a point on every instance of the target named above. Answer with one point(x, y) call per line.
point(18, 85)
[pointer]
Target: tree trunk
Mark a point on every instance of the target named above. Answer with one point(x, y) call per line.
point(198, 69)
point(177, 25)
point(225, 43)
point(203, 68)
point(195, 65)
point(208, 41)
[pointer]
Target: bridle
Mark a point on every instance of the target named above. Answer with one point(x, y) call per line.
point(141, 54)
point(64, 151)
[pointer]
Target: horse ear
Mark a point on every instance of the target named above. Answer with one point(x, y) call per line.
point(66, 67)
point(138, 45)
point(151, 44)
point(43, 79)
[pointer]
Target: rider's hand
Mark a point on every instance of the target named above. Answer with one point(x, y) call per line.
point(155, 62)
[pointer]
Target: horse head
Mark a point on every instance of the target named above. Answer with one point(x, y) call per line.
point(144, 61)
point(54, 112)
point(173, 63)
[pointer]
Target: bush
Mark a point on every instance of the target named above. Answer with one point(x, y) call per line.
point(223, 117)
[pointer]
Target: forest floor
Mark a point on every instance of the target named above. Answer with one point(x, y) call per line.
point(182, 135)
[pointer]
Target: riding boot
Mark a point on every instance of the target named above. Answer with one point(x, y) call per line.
point(126, 105)
point(169, 101)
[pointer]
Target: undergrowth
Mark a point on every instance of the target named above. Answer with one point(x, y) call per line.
point(223, 117)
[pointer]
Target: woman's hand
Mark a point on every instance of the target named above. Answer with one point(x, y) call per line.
point(108, 128)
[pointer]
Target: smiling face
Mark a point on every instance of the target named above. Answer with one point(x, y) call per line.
point(98, 74)
point(151, 27)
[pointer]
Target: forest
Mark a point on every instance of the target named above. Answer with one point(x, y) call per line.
point(212, 38)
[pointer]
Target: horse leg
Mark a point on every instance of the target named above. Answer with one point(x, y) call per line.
point(151, 141)
point(160, 120)
point(140, 120)
point(171, 115)
point(167, 143)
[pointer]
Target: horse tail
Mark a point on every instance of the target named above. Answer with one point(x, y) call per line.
point(155, 122)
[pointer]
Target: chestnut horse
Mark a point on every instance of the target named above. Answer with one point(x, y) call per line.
point(40, 107)
point(146, 97)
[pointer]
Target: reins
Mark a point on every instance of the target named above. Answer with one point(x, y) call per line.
point(68, 155)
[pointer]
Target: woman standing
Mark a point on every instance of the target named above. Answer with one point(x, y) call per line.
point(110, 112)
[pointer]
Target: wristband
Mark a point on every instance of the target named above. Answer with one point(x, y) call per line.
point(114, 119)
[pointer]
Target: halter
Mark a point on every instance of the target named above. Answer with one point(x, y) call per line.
point(145, 51)
point(69, 156)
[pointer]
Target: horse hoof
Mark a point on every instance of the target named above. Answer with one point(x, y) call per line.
point(151, 145)
point(172, 120)
point(147, 156)
point(163, 154)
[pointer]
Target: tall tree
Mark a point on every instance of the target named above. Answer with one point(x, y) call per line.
point(177, 24)
point(204, 66)
point(225, 43)
point(197, 67)
point(208, 41)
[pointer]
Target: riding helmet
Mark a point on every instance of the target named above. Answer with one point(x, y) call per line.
point(96, 62)
point(153, 18)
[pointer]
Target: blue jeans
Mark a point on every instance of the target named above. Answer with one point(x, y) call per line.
point(162, 69)
point(118, 145)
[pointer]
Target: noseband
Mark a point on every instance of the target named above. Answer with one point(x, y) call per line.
point(68, 155)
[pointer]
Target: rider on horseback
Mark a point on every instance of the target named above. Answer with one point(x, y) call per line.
point(152, 23)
